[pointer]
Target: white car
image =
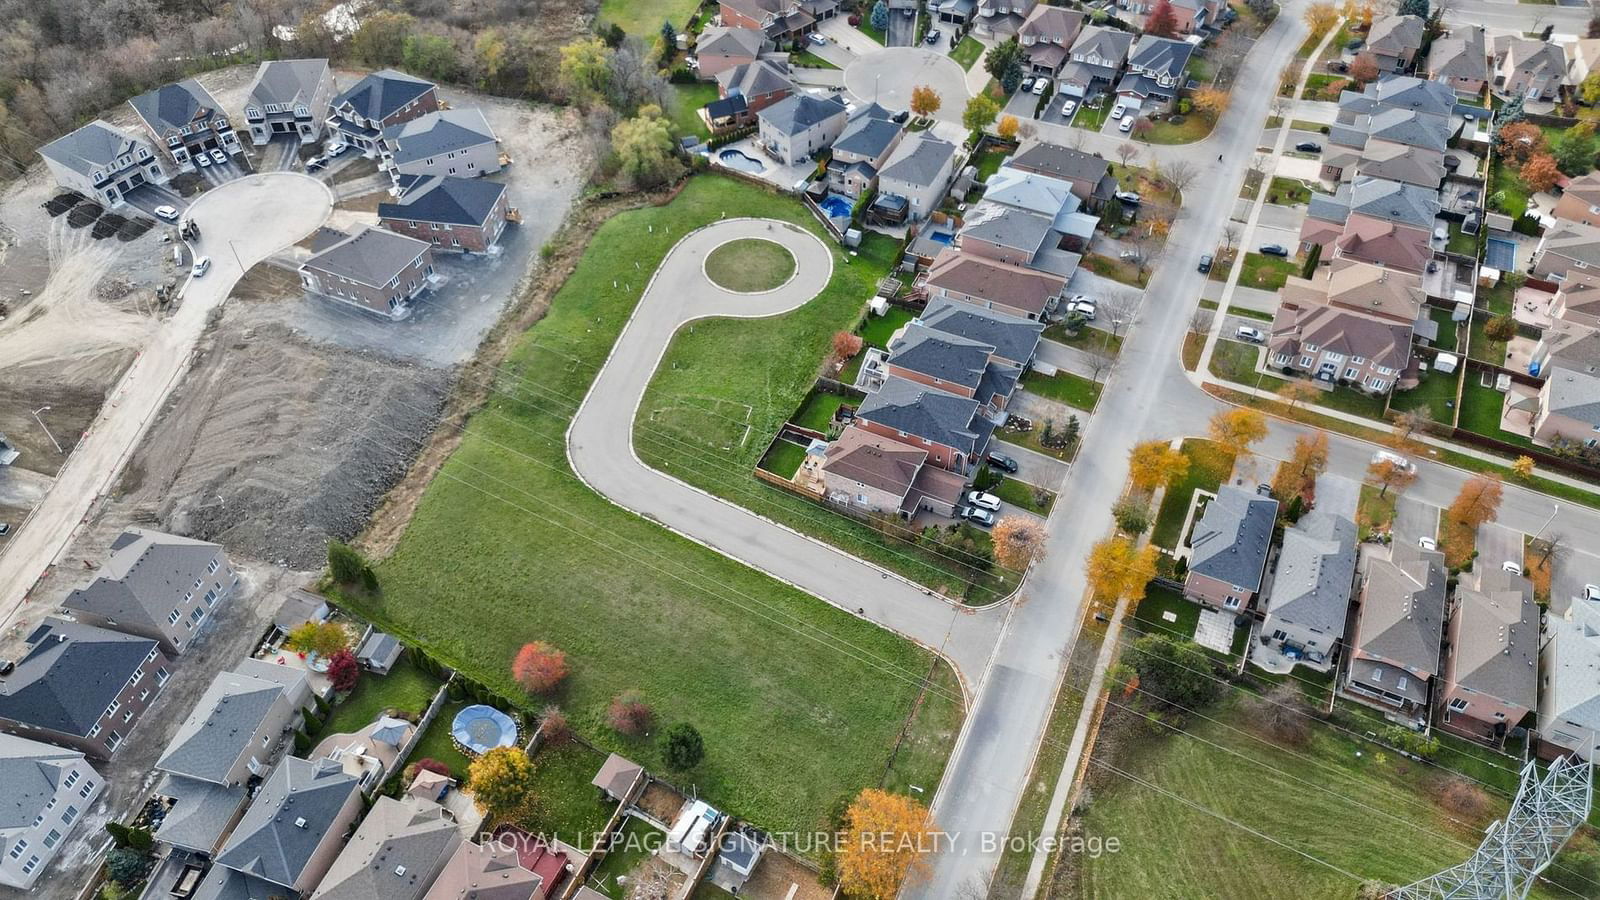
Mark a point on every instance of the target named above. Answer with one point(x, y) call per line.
point(218, 157)
point(1395, 458)
point(692, 63)
point(1127, 124)
point(1514, 568)
point(1131, 198)
point(1069, 107)
point(1118, 110)
point(170, 213)
point(982, 516)
point(202, 160)
point(1591, 592)
point(817, 39)
point(1083, 308)
point(983, 500)
point(1427, 543)
point(1253, 335)
point(201, 266)
point(1039, 86)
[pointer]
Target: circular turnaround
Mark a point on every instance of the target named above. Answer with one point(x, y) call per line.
point(887, 76)
point(750, 265)
point(479, 729)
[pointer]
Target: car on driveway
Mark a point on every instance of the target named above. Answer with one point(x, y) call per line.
point(1514, 568)
point(982, 516)
point(1127, 124)
point(1275, 250)
point(1427, 543)
point(201, 266)
point(983, 500)
point(1083, 306)
point(315, 163)
point(218, 157)
point(1130, 198)
point(817, 39)
point(1205, 263)
point(1027, 85)
point(933, 36)
point(1308, 147)
point(170, 213)
point(692, 63)
point(202, 160)
point(1129, 255)
point(1004, 463)
point(1040, 85)
point(1068, 108)
point(1591, 592)
point(1253, 335)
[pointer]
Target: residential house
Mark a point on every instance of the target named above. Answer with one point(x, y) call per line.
point(1393, 42)
point(1352, 325)
point(238, 724)
point(1189, 16)
point(1578, 300)
point(1157, 71)
point(1529, 68)
point(951, 428)
point(1045, 196)
point(1398, 110)
point(1398, 633)
point(952, 12)
point(1460, 60)
point(1002, 18)
point(1047, 36)
point(761, 83)
point(720, 48)
point(1568, 403)
point(399, 849)
point(81, 686)
point(46, 789)
point(1095, 62)
point(798, 126)
point(1583, 57)
point(488, 871)
point(1568, 246)
point(159, 586)
point(461, 214)
point(1580, 200)
point(1017, 236)
point(1374, 220)
point(1491, 675)
point(183, 120)
point(1015, 339)
point(1311, 587)
point(1569, 679)
point(378, 102)
point(1089, 175)
point(919, 170)
point(871, 473)
point(447, 142)
point(952, 363)
point(727, 114)
point(1228, 549)
point(289, 838)
point(782, 21)
point(870, 134)
point(289, 97)
point(374, 269)
point(102, 162)
point(986, 283)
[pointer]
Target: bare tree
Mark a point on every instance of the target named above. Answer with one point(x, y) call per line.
point(1119, 308)
point(1200, 321)
point(1098, 359)
point(1126, 151)
point(1180, 174)
point(1554, 547)
point(1230, 234)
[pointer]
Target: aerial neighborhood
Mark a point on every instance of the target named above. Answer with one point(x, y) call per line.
point(666, 449)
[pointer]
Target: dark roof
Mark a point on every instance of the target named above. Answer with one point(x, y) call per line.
point(1402, 608)
point(222, 727)
point(1013, 337)
point(372, 256)
point(798, 112)
point(447, 200)
point(726, 107)
point(96, 145)
point(1315, 574)
point(395, 854)
point(291, 814)
point(919, 159)
point(173, 106)
point(145, 576)
point(1062, 162)
point(200, 813)
point(70, 675)
point(287, 81)
point(868, 133)
point(1231, 539)
point(946, 357)
point(1161, 55)
point(380, 94)
point(929, 413)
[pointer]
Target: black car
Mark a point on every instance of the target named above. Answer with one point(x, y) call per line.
point(1275, 250)
point(1205, 263)
point(901, 117)
point(1308, 147)
point(1003, 462)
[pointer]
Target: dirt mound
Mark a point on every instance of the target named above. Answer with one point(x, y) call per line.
point(274, 445)
point(135, 228)
point(60, 203)
point(109, 224)
point(84, 213)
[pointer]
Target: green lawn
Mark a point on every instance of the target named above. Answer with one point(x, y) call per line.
point(1030, 439)
point(867, 29)
point(1116, 270)
point(1087, 338)
point(633, 840)
point(805, 59)
point(988, 162)
point(817, 411)
point(1148, 615)
point(643, 18)
point(1248, 313)
point(1267, 273)
point(1508, 183)
point(1288, 191)
point(507, 546)
point(750, 265)
point(687, 100)
point(1375, 512)
point(920, 759)
point(1447, 328)
point(1092, 118)
point(1461, 242)
point(1023, 495)
point(967, 52)
point(1065, 387)
point(1437, 392)
point(877, 330)
point(437, 744)
point(1480, 412)
point(1236, 360)
point(1480, 346)
point(568, 804)
point(406, 688)
point(1193, 128)
point(1319, 86)
point(784, 458)
point(1209, 466)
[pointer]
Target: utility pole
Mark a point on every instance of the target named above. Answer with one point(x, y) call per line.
point(47, 429)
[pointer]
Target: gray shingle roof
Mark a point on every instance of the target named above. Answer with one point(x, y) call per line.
point(287, 81)
point(172, 106)
point(919, 159)
point(372, 256)
point(144, 577)
point(1402, 609)
point(446, 199)
point(1106, 43)
point(1409, 92)
point(1059, 161)
point(70, 675)
point(1393, 201)
point(380, 648)
point(485, 872)
point(798, 112)
point(94, 146)
point(1497, 644)
point(436, 133)
point(1013, 337)
point(1406, 126)
point(31, 772)
point(730, 41)
point(868, 133)
point(947, 357)
point(270, 841)
point(395, 855)
point(1007, 226)
point(221, 728)
point(223, 883)
point(1460, 55)
point(752, 79)
point(1161, 55)
point(1394, 35)
point(1315, 574)
point(1231, 540)
point(201, 812)
point(927, 412)
point(380, 94)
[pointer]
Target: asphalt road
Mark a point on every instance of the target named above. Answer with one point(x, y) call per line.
point(242, 222)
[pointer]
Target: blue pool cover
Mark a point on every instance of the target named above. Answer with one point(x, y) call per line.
point(836, 207)
point(483, 728)
point(1499, 253)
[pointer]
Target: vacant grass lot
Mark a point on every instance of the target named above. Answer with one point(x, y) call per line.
point(406, 688)
point(1267, 273)
point(750, 265)
point(643, 18)
point(1116, 270)
point(1209, 466)
point(1064, 387)
point(507, 547)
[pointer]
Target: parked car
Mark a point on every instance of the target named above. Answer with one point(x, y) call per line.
point(218, 157)
point(1205, 262)
point(1068, 107)
point(337, 150)
point(1082, 307)
point(1130, 198)
point(1275, 250)
point(7, 667)
point(201, 266)
point(202, 160)
point(1118, 110)
point(1395, 458)
point(1511, 566)
point(1308, 147)
point(1253, 335)
point(692, 63)
point(1004, 463)
point(901, 117)
point(1027, 85)
point(933, 36)
point(1339, 66)
point(817, 39)
point(983, 500)
point(1129, 255)
point(1591, 592)
point(1427, 543)
point(5, 528)
point(315, 163)
point(170, 213)
point(1040, 85)
point(1127, 124)
point(982, 516)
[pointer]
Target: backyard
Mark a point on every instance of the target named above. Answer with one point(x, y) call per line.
point(686, 103)
point(406, 688)
point(507, 546)
point(643, 18)
point(1209, 466)
point(1481, 406)
point(783, 459)
point(877, 330)
point(1436, 392)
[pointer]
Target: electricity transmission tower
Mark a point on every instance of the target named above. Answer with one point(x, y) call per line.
point(1516, 849)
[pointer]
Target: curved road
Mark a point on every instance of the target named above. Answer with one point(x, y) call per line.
point(242, 222)
point(600, 449)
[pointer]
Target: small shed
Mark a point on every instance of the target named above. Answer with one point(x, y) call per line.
point(1446, 363)
point(430, 786)
point(379, 652)
point(616, 776)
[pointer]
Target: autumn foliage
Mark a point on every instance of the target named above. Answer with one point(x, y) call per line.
point(1477, 503)
point(925, 101)
point(344, 671)
point(1236, 429)
point(1018, 542)
point(1520, 141)
point(1152, 464)
point(629, 714)
point(1387, 474)
point(846, 345)
point(539, 667)
point(1007, 129)
point(501, 781)
point(888, 839)
point(1298, 474)
point(1540, 172)
point(1210, 102)
point(1162, 21)
point(1117, 569)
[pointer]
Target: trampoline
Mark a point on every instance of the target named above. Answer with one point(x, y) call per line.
point(1499, 253)
point(479, 729)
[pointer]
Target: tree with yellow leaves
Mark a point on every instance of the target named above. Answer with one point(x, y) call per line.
point(1297, 392)
point(501, 781)
point(1386, 474)
point(1007, 129)
point(1117, 569)
point(1320, 17)
point(1018, 542)
point(925, 101)
point(1522, 467)
point(1210, 102)
point(1152, 464)
point(888, 839)
point(1237, 428)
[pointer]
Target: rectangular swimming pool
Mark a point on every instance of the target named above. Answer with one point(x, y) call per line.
point(1499, 253)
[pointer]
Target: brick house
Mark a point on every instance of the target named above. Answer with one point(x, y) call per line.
point(381, 100)
point(1580, 200)
point(1568, 246)
point(1090, 175)
point(950, 427)
point(1393, 42)
point(1016, 290)
point(868, 472)
point(184, 120)
point(1491, 674)
point(374, 269)
point(719, 48)
point(1229, 547)
point(1002, 18)
point(1047, 36)
point(102, 162)
point(1461, 61)
point(782, 21)
point(1310, 596)
point(1352, 325)
point(760, 83)
point(952, 363)
point(1529, 68)
point(457, 214)
point(155, 585)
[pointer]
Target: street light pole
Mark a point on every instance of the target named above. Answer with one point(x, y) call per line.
point(47, 429)
point(1555, 508)
point(236, 261)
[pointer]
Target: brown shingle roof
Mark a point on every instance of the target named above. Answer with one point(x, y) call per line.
point(874, 461)
point(1013, 286)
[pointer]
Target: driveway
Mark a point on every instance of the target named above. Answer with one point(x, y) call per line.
point(1572, 573)
point(1338, 495)
point(902, 30)
point(242, 222)
point(839, 32)
point(1497, 544)
point(1414, 519)
point(1034, 468)
point(834, 51)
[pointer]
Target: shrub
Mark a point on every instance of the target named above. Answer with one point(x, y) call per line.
point(426, 764)
point(682, 747)
point(125, 866)
point(1132, 515)
point(629, 714)
point(539, 667)
point(344, 671)
point(1412, 742)
point(553, 725)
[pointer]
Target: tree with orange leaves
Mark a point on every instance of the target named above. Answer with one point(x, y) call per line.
point(1541, 172)
point(1236, 429)
point(539, 667)
point(1117, 569)
point(1152, 464)
point(888, 839)
point(1518, 141)
point(1007, 128)
point(925, 101)
point(1017, 542)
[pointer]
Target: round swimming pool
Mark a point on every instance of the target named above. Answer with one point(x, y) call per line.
point(744, 162)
